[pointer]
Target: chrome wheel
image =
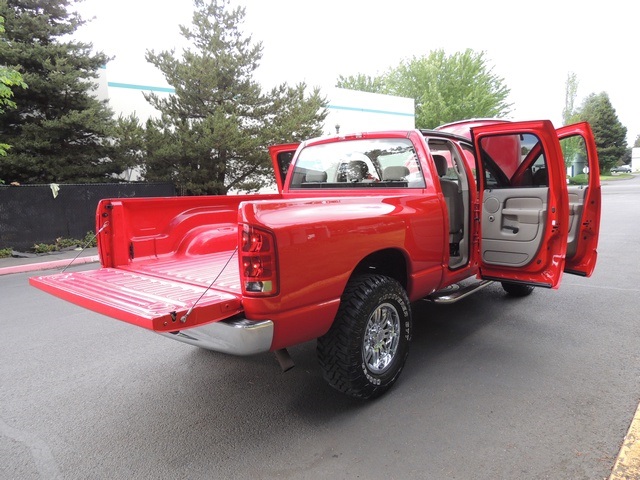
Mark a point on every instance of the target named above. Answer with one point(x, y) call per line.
point(381, 338)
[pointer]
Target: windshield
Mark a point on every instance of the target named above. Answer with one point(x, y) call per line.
point(381, 162)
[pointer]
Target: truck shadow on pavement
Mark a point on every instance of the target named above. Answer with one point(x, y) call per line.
point(439, 331)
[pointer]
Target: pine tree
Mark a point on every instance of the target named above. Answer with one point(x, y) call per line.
point(609, 133)
point(212, 133)
point(59, 131)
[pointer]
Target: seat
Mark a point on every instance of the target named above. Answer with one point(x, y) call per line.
point(453, 198)
point(395, 174)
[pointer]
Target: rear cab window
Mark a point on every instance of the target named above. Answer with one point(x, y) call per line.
point(359, 163)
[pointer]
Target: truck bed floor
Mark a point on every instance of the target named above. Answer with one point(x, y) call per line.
point(200, 270)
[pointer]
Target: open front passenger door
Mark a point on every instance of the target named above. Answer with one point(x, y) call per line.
point(524, 208)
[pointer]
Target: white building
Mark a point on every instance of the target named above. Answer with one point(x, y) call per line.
point(635, 159)
point(348, 110)
point(353, 111)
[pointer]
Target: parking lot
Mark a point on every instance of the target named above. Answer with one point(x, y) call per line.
point(494, 388)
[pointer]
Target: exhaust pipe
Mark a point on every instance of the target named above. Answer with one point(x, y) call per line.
point(284, 359)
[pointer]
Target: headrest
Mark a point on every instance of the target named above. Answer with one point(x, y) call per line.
point(395, 173)
point(359, 166)
point(541, 177)
point(441, 164)
point(316, 176)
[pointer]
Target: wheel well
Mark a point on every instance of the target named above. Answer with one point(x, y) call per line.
point(391, 263)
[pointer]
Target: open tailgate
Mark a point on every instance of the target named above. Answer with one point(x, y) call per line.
point(154, 303)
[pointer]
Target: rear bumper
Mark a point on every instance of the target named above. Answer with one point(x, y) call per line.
point(236, 336)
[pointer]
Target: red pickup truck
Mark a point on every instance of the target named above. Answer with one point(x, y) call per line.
point(362, 225)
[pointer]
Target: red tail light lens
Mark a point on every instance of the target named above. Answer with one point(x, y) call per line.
point(258, 262)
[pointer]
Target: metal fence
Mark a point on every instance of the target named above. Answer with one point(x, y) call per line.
point(32, 214)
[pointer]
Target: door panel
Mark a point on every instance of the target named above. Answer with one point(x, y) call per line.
point(513, 225)
point(576, 203)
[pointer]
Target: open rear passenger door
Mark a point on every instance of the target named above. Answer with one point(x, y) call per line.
point(524, 209)
point(579, 149)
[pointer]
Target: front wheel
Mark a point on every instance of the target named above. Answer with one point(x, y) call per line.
point(365, 349)
point(517, 289)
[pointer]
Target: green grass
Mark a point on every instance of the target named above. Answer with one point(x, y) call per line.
point(619, 176)
point(583, 179)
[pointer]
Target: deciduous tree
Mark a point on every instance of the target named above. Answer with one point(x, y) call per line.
point(445, 87)
point(570, 93)
point(361, 82)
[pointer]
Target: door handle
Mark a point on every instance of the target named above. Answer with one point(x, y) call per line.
point(512, 228)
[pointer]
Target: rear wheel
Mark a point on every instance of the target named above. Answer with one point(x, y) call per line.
point(517, 289)
point(364, 352)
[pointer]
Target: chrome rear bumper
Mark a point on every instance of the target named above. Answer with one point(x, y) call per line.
point(236, 336)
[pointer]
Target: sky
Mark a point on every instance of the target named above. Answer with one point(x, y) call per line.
point(532, 46)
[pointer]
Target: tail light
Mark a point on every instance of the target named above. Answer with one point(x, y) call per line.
point(258, 270)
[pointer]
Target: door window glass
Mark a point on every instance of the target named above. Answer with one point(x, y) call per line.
point(512, 161)
point(574, 151)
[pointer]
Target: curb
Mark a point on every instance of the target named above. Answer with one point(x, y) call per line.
point(33, 267)
point(627, 466)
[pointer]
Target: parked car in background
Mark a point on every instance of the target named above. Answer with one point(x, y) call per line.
point(621, 169)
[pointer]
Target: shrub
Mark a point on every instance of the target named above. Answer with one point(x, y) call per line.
point(581, 179)
point(44, 248)
point(88, 241)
